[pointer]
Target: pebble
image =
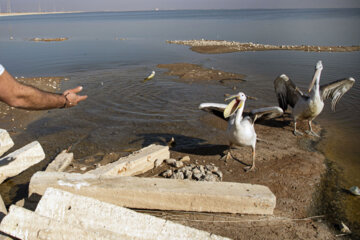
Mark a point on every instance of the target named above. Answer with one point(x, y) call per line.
point(179, 164)
point(209, 173)
point(171, 161)
point(167, 173)
point(83, 168)
point(185, 159)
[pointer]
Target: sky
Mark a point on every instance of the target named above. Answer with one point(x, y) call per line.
point(133, 5)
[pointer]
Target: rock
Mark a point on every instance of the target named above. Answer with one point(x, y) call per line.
point(219, 174)
point(210, 178)
point(197, 176)
point(196, 171)
point(188, 174)
point(168, 173)
point(171, 162)
point(185, 159)
point(179, 164)
point(178, 175)
point(211, 168)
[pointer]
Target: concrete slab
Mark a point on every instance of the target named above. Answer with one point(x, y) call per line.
point(61, 162)
point(96, 215)
point(5, 141)
point(25, 224)
point(158, 193)
point(136, 163)
point(20, 160)
point(3, 210)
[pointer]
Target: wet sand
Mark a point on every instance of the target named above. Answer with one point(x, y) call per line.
point(214, 46)
point(288, 165)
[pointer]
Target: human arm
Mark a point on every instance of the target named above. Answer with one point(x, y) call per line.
point(19, 95)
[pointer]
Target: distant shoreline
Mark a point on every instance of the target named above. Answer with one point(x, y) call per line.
point(34, 13)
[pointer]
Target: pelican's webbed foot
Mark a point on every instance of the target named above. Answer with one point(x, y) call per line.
point(249, 168)
point(312, 133)
point(297, 133)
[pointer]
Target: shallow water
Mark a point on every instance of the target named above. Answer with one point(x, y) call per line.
point(110, 54)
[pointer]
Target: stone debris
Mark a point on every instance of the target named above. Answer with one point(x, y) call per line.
point(95, 215)
point(61, 162)
point(233, 46)
point(209, 173)
point(158, 162)
point(136, 163)
point(3, 210)
point(162, 194)
point(25, 224)
point(88, 218)
point(5, 141)
point(20, 160)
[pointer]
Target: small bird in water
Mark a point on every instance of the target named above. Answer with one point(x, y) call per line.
point(152, 75)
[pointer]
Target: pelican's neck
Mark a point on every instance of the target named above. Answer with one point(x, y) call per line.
point(315, 92)
point(239, 113)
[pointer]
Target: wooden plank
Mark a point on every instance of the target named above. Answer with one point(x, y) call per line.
point(158, 193)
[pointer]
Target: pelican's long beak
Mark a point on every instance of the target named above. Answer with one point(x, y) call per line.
point(232, 107)
point(316, 75)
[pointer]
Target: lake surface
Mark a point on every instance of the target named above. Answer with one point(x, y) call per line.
point(110, 54)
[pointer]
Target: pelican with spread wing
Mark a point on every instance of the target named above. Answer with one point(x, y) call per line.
point(241, 131)
point(309, 106)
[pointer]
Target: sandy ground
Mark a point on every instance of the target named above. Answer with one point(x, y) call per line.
point(218, 46)
point(288, 165)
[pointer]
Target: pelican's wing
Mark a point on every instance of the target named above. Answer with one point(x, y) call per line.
point(215, 108)
point(266, 113)
point(286, 91)
point(336, 90)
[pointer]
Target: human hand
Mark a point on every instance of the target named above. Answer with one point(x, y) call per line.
point(71, 97)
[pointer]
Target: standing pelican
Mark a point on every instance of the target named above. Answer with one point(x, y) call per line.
point(308, 107)
point(240, 130)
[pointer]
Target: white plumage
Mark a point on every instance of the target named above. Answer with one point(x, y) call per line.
point(240, 130)
point(309, 106)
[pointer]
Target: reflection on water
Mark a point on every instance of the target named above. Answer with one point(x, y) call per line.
point(123, 112)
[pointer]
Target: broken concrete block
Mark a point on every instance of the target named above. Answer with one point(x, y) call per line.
point(25, 224)
point(20, 160)
point(136, 163)
point(96, 215)
point(61, 162)
point(3, 210)
point(158, 193)
point(5, 141)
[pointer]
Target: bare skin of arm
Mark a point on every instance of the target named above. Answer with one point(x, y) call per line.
point(19, 95)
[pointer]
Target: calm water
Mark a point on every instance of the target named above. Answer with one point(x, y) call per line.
point(123, 112)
